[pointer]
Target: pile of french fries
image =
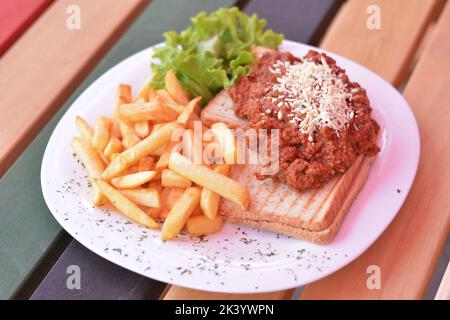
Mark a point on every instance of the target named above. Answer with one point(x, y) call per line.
point(133, 162)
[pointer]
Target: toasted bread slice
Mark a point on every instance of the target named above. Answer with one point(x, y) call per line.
point(220, 109)
point(314, 215)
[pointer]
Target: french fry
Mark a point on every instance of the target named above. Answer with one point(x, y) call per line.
point(201, 226)
point(163, 97)
point(101, 133)
point(225, 137)
point(209, 200)
point(142, 93)
point(113, 156)
point(133, 180)
point(157, 126)
point(143, 111)
point(175, 89)
point(125, 206)
point(126, 129)
point(93, 164)
point(158, 152)
point(192, 148)
point(180, 213)
point(171, 179)
point(188, 111)
point(168, 197)
point(84, 128)
point(104, 159)
point(151, 94)
point(146, 197)
point(115, 129)
point(146, 163)
point(142, 129)
point(123, 94)
point(130, 140)
point(132, 155)
point(114, 146)
point(207, 178)
point(163, 161)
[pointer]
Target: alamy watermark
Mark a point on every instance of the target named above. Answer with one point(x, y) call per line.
point(73, 21)
point(255, 147)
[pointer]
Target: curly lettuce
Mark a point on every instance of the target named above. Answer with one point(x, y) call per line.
point(214, 52)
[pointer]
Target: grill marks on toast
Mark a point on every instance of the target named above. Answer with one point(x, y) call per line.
point(323, 236)
point(275, 201)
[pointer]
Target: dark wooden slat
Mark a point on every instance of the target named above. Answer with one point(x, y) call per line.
point(160, 16)
point(99, 279)
point(299, 20)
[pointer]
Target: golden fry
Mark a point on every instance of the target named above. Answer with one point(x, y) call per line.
point(192, 148)
point(225, 137)
point(163, 161)
point(207, 178)
point(142, 129)
point(130, 140)
point(132, 155)
point(114, 146)
point(188, 111)
point(175, 89)
point(84, 128)
point(180, 212)
point(163, 97)
point(201, 226)
point(125, 206)
point(143, 196)
point(133, 180)
point(168, 197)
point(93, 164)
point(209, 200)
point(171, 179)
point(146, 163)
point(101, 133)
point(143, 111)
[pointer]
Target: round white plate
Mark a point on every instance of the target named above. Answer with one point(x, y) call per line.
point(238, 259)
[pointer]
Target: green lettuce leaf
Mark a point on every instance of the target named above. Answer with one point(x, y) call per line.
point(214, 52)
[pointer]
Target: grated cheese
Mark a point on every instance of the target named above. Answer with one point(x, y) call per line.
point(314, 94)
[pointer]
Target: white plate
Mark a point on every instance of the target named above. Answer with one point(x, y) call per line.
point(238, 259)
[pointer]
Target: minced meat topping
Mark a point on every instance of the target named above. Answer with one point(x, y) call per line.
point(323, 117)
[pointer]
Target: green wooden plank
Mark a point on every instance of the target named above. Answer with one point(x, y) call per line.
point(27, 228)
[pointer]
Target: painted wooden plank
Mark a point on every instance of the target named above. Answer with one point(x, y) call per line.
point(16, 16)
point(160, 16)
point(27, 229)
point(300, 20)
point(389, 50)
point(408, 250)
point(42, 68)
point(180, 293)
point(98, 279)
point(444, 289)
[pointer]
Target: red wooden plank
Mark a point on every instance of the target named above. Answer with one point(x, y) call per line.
point(15, 18)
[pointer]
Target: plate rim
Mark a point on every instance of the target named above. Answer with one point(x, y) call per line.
point(192, 284)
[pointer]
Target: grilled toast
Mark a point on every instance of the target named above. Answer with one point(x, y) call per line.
point(314, 215)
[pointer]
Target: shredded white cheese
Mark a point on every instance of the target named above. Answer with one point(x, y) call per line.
point(315, 96)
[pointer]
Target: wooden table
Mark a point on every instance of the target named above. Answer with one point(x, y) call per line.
point(46, 66)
